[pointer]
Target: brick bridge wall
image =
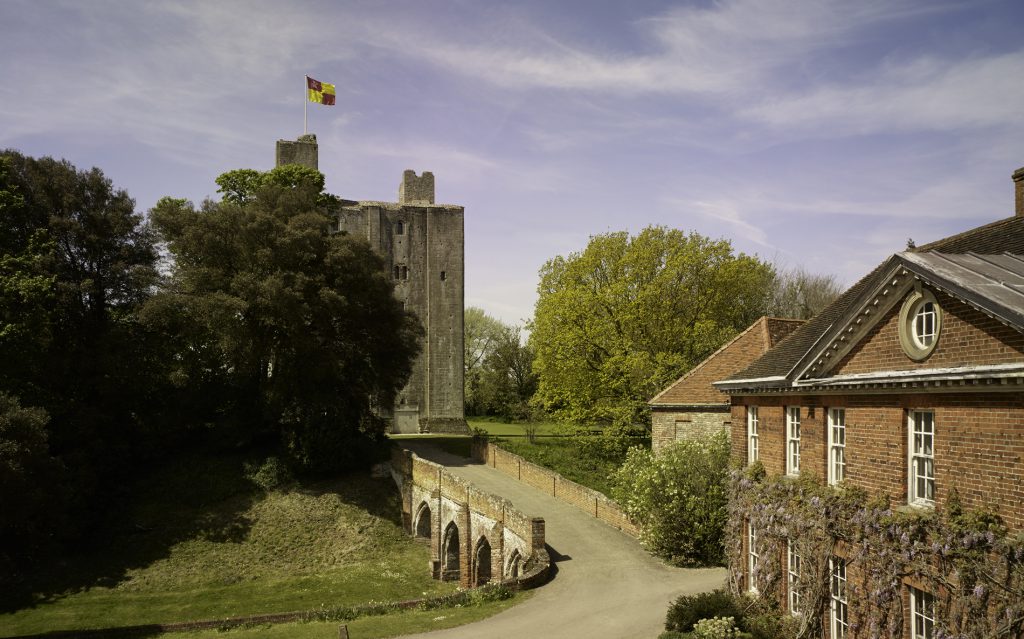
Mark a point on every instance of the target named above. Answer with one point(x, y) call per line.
point(586, 499)
point(475, 537)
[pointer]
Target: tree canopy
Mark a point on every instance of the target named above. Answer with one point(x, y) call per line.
point(79, 378)
point(618, 321)
point(295, 328)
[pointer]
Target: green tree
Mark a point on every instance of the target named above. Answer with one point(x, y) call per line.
point(507, 380)
point(30, 491)
point(679, 498)
point(76, 262)
point(296, 328)
point(481, 333)
point(616, 322)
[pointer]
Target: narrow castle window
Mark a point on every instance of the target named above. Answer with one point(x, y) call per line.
point(399, 228)
point(396, 272)
point(405, 272)
point(443, 276)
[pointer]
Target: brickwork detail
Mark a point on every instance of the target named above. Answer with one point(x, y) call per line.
point(968, 338)
point(979, 444)
point(464, 520)
point(586, 499)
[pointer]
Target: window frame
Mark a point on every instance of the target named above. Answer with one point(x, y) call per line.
point(792, 441)
point(836, 472)
point(753, 557)
point(839, 601)
point(922, 606)
point(753, 449)
point(792, 578)
point(920, 459)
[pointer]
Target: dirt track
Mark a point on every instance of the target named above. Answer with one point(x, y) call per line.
point(606, 586)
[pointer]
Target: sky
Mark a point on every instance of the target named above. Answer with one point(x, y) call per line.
point(819, 134)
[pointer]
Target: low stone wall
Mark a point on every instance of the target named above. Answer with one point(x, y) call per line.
point(475, 537)
point(547, 480)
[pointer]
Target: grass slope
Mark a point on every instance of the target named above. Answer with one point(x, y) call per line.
point(197, 540)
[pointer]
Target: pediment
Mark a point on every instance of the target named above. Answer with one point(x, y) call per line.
point(876, 336)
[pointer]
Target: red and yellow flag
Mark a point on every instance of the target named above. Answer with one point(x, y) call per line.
point(320, 92)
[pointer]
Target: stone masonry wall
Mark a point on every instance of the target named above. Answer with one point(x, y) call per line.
point(670, 425)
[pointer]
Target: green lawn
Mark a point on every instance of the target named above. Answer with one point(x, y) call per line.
point(196, 540)
point(392, 625)
point(560, 454)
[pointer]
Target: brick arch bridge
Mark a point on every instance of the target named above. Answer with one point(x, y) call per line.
point(475, 537)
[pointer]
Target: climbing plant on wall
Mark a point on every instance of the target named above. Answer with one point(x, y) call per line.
point(969, 560)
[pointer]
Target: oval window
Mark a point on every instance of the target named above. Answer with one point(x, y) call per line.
point(920, 324)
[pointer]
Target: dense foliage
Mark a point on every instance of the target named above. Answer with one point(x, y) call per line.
point(263, 328)
point(679, 498)
point(969, 560)
point(295, 328)
point(499, 368)
point(79, 377)
point(617, 322)
point(730, 615)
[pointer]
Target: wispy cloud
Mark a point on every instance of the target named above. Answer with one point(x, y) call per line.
point(925, 93)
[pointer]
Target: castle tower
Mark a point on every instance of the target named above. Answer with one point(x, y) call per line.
point(423, 246)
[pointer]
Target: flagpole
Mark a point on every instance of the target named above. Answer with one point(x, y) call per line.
point(304, 101)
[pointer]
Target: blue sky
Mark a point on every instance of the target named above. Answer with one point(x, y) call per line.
point(814, 133)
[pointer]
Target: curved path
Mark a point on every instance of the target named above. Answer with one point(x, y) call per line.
point(606, 585)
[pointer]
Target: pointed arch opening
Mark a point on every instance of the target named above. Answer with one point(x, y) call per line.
point(450, 569)
point(482, 562)
point(422, 526)
point(514, 565)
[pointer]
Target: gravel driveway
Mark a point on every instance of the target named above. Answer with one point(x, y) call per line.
point(606, 585)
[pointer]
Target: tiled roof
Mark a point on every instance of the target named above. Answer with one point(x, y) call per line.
point(1004, 236)
point(695, 387)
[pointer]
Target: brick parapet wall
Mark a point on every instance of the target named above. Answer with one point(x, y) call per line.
point(547, 480)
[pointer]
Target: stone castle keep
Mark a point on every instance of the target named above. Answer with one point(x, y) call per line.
point(423, 245)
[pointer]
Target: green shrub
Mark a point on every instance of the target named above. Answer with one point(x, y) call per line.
point(716, 628)
point(271, 474)
point(672, 634)
point(679, 499)
point(687, 610)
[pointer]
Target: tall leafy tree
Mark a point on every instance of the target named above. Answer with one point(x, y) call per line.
point(296, 328)
point(76, 262)
point(507, 378)
point(616, 322)
point(481, 334)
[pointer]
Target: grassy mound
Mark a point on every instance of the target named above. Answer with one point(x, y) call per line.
point(197, 539)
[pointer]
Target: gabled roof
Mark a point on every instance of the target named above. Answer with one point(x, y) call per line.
point(992, 283)
point(778, 367)
point(695, 387)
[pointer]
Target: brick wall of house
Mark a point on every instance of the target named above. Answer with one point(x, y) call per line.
point(979, 443)
point(968, 337)
point(671, 425)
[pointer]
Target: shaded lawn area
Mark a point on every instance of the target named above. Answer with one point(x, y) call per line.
point(561, 454)
point(197, 540)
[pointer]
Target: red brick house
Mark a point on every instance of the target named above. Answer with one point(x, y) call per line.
point(692, 407)
point(909, 386)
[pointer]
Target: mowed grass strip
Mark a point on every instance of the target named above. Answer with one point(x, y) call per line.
point(197, 540)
